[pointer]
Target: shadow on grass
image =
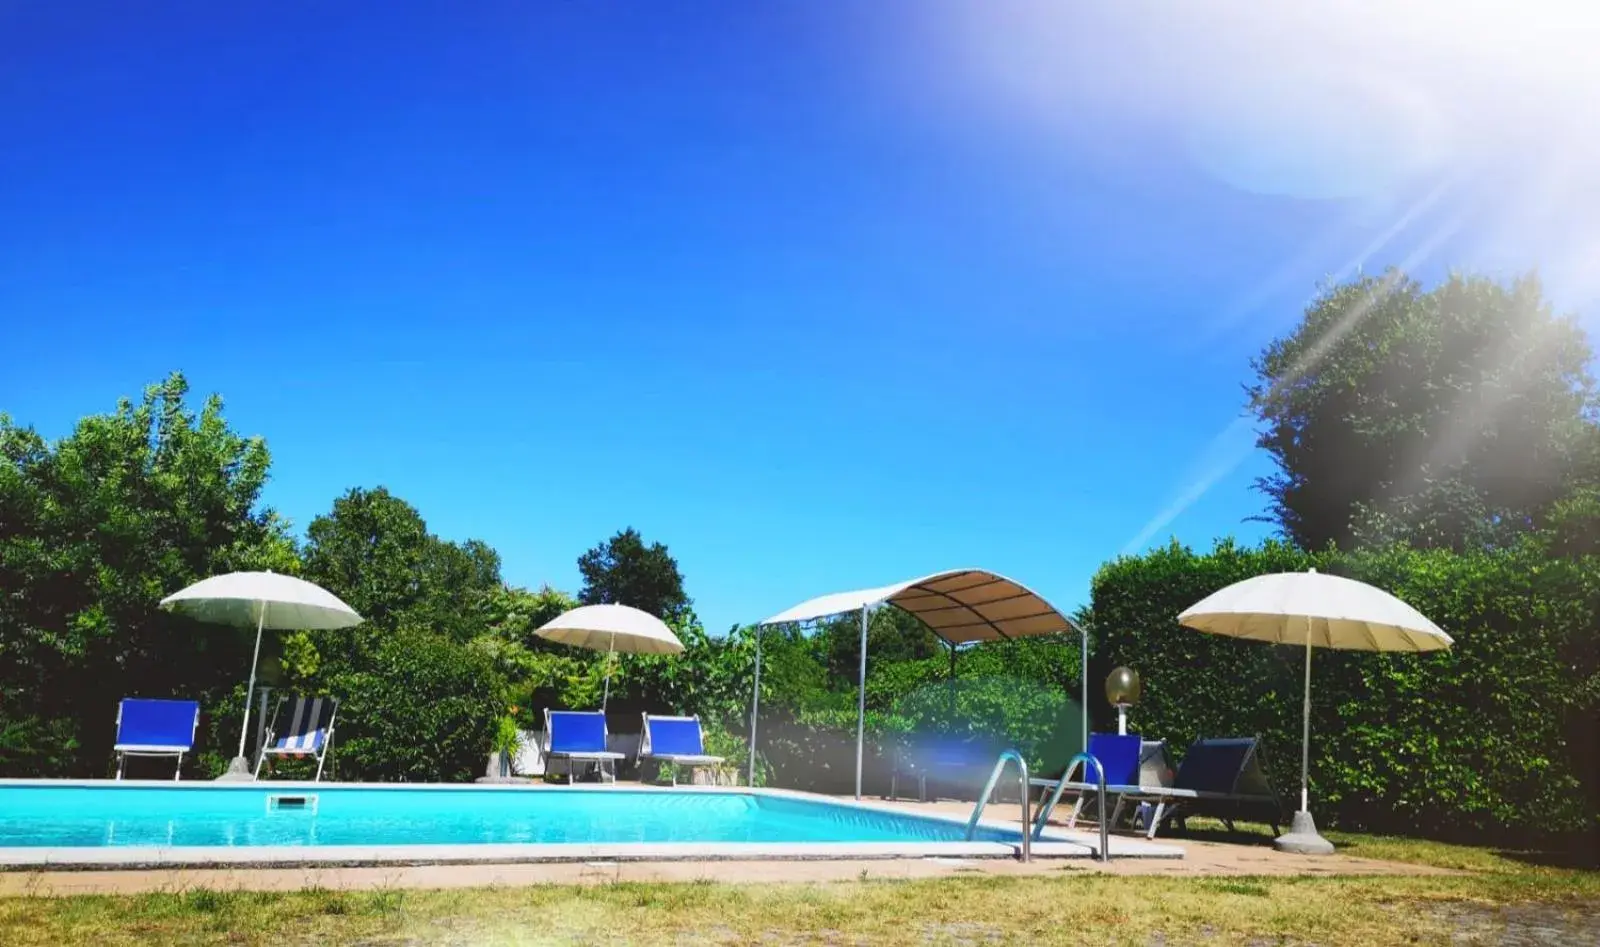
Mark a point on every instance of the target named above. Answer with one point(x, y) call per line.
point(1581, 855)
point(1210, 830)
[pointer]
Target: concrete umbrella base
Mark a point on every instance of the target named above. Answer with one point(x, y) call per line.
point(238, 772)
point(1302, 838)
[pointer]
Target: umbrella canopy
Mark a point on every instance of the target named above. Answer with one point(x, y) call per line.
point(1313, 610)
point(265, 600)
point(612, 628)
point(1336, 612)
point(248, 599)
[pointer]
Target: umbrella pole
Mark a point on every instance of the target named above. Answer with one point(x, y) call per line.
point(1305, 731)
point(1302, 837)
point(1083, 680)
point(605, 696)
point(249, 692)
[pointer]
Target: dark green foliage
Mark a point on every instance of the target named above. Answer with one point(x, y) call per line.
point(624, 571)
point(1495, 735)
point(1022, 694)
point(1452, 417)
point(369, 551)
point(374, 551)
point(94, 530)
point(893, 636)
point(423, 709)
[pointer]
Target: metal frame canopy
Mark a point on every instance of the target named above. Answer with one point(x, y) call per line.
point(960, 606)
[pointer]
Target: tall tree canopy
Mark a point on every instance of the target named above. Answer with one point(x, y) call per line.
point(624, 571)
point(373, 550)
point(94, 529)
point(1449, 417)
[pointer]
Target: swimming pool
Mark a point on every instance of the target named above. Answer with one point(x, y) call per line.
point(101, 824)
point(211, 816)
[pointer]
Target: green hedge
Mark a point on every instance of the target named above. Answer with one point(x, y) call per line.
point(425, 710)
point(1495, 735)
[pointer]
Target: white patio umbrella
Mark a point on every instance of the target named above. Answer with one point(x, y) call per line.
point(265, 600)
point(1314, 610)
point(611, 628)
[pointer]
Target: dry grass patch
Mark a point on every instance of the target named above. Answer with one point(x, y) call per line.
point(1500, 897)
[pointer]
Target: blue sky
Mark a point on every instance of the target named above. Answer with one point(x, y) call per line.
point(821, 295)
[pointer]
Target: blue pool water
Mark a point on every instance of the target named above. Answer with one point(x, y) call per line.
point(98, 816)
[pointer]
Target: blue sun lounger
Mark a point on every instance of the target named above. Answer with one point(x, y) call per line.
point(148, 727)
point(1217, 777)
point(309, 733)
point(1118, 756)
point(574, 736)
point(675, 740)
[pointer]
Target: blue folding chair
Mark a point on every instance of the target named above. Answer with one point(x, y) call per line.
point(675, 740)
point(574, 736)
point(148, 727)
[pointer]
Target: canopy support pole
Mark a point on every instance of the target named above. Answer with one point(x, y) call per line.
point(755, 711)
point(952, 684)
point(1083, 674)
point(861, 702)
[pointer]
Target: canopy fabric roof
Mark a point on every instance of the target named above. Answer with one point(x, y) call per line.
point(960, 606)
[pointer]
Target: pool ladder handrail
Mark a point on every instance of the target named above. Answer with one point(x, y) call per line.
point(1055, 797)
point(988, 790)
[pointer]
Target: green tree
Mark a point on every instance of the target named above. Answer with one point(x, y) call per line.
point(423, 708)
point(624, 571)
point(94, 530)
point(893, 636)
point(373, 550)
point(514, 614)
point(369, 550)
point(1451, 417)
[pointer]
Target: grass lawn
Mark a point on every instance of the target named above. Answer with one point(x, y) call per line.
point(1504, 899)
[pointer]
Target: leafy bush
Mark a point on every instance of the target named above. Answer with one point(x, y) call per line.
point(1496, 734)
point(424, 709)
point(30, 747)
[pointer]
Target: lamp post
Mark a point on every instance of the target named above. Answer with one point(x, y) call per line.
point(1122, 689)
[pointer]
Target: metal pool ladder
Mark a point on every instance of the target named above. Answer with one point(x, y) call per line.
point(988, 790)
point(1055, 797)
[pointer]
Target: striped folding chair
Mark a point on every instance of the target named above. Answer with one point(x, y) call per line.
point(308, 733)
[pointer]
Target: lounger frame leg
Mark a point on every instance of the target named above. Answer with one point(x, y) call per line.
point(1155, 820)
point(177, 771)
point(1077, 810)
point(121, 759)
